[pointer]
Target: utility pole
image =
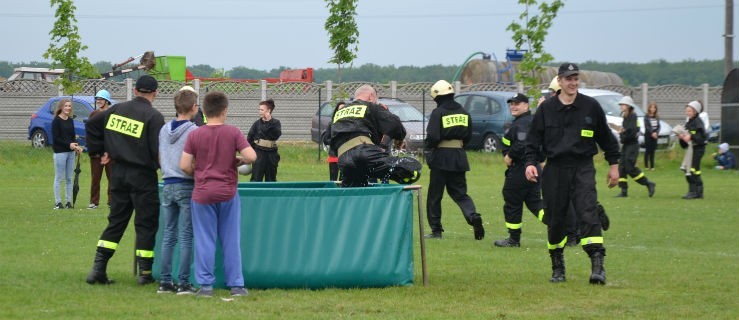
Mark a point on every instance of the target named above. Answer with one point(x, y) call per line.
point(729, 38)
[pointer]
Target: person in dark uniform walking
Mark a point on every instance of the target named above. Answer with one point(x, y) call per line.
point(516, 189)
point(693, 139)
point(128, 133)
point(447, 132)
point(263, 135)
point(629, 134)
point(566, 131)
point(356, 132)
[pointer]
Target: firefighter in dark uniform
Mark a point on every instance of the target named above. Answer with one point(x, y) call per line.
point(516, 189)
point(695, 136)
point(629, 135)
point(356, 132)
point(566, 131)
point(128, 133)
point(447, 132)
point(263, 136)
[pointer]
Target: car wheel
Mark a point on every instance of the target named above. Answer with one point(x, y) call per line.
point(491, 143)
point(38, 139)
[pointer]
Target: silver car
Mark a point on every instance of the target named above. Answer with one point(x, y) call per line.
point(413, 121)
point(609, 102)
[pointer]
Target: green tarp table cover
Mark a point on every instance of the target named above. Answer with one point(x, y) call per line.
point(317, 235)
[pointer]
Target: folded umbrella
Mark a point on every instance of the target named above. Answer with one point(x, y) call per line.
point(76, 186)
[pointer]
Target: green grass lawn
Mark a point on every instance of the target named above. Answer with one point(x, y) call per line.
point(666, 257)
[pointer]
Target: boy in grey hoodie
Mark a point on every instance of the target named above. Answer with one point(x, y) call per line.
point(176, 194)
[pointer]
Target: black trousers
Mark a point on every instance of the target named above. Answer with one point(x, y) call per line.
point(455, 183)
point(565, 182)
point(517, 190)
point(363, 163)
point(650, 145)
point(265, 167)
point(627, 165)
point(133, 188)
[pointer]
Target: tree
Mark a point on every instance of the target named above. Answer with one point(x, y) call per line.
point(65, 48)
point(343, 32)
point(532, 33)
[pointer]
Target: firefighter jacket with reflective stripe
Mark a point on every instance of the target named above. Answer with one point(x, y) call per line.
point(362, 118)
point(449, 121)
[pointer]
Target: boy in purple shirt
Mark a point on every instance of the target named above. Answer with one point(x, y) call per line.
point(216, 208)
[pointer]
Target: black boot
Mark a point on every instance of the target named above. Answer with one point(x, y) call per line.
point(145, 276)
point(558, 265)
point(698, 192)
point(477, 227)
point(598, 273)
point(513, 240)
point(99, 274)
point(649, 184)
point(691, 188)
point(624, 190)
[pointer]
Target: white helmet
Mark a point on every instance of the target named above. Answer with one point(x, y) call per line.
point(440, 88)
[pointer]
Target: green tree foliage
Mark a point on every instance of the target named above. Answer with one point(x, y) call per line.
point(532, 34)
point(66, 46)
point(343, 32)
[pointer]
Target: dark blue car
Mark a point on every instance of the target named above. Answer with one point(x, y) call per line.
point(39, 130)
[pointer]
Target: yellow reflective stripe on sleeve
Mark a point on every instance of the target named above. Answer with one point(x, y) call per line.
point(641, 175)
point(586, 133)
point(127, 126)
point(540, 215)
point(622, 180)
point(145, 253)
point(557, 245)
point(514, 226)
point(107, 244)
point(695, 172)
point(591, 240)
point(454, 120)
point(692, 131)
point(505, 141)
point(638, 122)
point(353, 111)
point(205, 119)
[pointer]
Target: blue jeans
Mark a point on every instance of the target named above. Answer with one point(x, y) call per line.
point(221, 221)
point(177, 216)
point(63, 170)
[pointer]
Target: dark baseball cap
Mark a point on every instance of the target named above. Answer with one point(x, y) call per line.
point(146, 84)
point(519, 97)
point(567, 69)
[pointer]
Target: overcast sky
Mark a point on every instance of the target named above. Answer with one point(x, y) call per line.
point(266, 34)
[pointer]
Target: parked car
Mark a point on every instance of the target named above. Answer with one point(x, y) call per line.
point(39, 128)
point(609, 102)
point(413, 121)
point(490, 117)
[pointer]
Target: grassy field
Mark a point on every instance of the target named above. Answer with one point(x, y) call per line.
point(667, 258)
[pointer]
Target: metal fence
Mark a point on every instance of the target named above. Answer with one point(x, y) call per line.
point(297, 102)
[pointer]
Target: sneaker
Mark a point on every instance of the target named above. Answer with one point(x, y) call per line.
point(239, 292)
point(167, 287)
point(204, 292)
point(433, 235)
point(69, 206)
point(92, 206)
point(58, 206)
point(507, 242)
point(185, 289)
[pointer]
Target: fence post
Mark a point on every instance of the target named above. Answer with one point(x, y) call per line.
point(394, 89)
point(704, 87)
point(263, 89)
point(645, 96)
point(129, 89)
point(519, 87)
point(457, 86)
point(329, 90)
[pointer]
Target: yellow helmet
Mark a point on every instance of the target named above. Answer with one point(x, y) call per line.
point(554, 85)
point(440, 88)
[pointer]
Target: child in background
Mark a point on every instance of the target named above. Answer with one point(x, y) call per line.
point(177, 193)
point(724, 159)
point(693, 135)
point(651, 134)
point(263, 135)
point(216, 207)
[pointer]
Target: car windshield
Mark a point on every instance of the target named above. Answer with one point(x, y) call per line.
point(406, 112)
point(609, 103)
